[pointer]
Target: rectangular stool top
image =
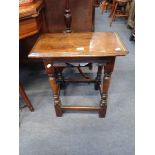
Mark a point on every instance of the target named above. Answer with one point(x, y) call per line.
point(83, 44)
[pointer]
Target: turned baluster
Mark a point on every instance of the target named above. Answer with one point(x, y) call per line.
point(68, 17)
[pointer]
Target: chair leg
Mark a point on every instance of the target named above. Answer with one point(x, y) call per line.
point(114, 14)
point(112, 8)
point(25, 98)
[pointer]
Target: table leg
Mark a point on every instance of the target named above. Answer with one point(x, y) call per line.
point(98, 77)
point(60, 77)
point(54, 86)
point(108, 69)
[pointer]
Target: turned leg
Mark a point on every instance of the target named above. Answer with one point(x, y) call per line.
point(60, 77)
point(108, 69)
point(68, 17)
point(25, 98)
point(54, 86)
point(98, 77)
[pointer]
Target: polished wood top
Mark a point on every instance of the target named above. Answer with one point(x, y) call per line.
point(30, 10)
point(87, 44)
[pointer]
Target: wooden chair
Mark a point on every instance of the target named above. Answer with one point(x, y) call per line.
point(119, 9)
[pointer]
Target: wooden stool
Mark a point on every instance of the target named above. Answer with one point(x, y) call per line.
point(83, 47)
point(119, 9)
point(25, 98)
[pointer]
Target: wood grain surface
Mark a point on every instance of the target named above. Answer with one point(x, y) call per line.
point(85, 44)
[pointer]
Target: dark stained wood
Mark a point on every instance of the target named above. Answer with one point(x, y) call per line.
point(80, 80)
point(108, 69)
point(68, 17)
point(82, 12)
point(98, 77)
point(81, 108)
point(52, 20)
point(30, 19)
point(31, 22)
point(96, 3)
point(54, 86)
point(25, 98)
point(29, 27)
point(71, 45)
point(102, 47)
point(25, 46)
point(60, 77)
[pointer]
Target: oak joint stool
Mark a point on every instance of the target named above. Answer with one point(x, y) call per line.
point(57, 49)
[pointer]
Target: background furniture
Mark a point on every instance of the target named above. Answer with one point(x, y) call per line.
point(79, 47)
point(105, 4)
point(25, 2)
point(30, 23)
point(97, 2)
point(131, 19)
point(119, 9)
point(30, 19)
point(82, 12)
point(25, 98)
